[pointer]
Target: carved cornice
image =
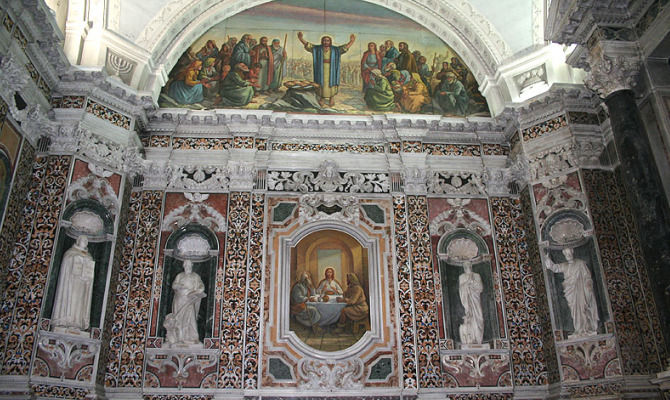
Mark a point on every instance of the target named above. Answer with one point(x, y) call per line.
point(571, 21)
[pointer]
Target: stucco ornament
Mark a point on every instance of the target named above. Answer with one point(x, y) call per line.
point(328, 178)
point(72, 305)
point(317, 374)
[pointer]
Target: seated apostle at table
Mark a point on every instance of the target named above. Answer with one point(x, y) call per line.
point(303, 292)
point(357, 307)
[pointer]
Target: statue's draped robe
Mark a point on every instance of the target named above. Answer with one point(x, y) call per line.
point(469, 289)
point(578, 289)
point(72, 305)
point(182, 323)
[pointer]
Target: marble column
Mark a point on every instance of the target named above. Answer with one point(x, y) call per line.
point(613, 78)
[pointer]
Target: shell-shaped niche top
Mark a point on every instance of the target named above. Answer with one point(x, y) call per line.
point(462, 249)
point(88, 222)
point(277, 56)
point(567, 231)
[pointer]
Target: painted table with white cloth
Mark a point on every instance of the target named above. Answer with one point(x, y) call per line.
point(329, 310)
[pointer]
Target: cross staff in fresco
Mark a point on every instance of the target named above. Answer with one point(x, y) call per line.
point(326, 65)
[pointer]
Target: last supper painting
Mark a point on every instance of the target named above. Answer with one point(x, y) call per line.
point(329, 296)
point(326, 57)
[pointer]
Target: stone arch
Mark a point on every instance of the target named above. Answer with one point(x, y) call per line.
point(470, 34)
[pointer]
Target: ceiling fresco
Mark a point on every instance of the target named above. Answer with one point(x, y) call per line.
point(328, 57)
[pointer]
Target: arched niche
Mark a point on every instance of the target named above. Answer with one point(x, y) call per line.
point(572, 229)
point(451, 270)
point(84, 217)
point(200, 245)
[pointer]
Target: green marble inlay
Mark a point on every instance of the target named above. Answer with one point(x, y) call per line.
point(374, 212)
point(381, 370)
point(279, 369)
point(282, 211)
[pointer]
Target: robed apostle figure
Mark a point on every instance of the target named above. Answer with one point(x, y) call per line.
point(72, 305)
point(326, 66)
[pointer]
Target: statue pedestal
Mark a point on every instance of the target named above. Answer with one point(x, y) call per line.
point(184, 346)
point(476, 346)
point(70, 331)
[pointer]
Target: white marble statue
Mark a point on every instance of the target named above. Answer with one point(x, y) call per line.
point(72, 305)
point(181, 324)
point(470, 289)
point(578, 289)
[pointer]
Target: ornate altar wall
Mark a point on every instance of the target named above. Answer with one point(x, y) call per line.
point(483, 257)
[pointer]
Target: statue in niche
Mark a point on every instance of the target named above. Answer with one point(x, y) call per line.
point(72, 305)
point(464, 251)
point(181, 325)
point(470, 289)
point(578, 289)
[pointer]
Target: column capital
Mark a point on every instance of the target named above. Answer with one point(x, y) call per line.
point(614, 67)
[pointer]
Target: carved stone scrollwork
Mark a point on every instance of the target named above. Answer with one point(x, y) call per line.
point(553, 161)
point(65, 139)
point(13, 78)
point(195, 211)
point(241, 175)
point(611, 74)
point(205, 178)
point(415, 180)
point(588, 151)
point(455, 183)
point(317, 207)
point(328, 179)
point(498, 180)
point(458, 216)
point(560, 196)
point(317, 374)
point(157, 174)
point(102, 150)
point(180, 361)
point(67, 350)
point(96, 188)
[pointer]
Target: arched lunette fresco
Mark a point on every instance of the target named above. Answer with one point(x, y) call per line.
point(382, 62)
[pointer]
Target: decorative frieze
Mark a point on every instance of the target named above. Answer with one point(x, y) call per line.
point(197, 177)
point(193, 143)
point(331, 147)
point(108, 114)
point(328, 179)
point(544, 128)
point(455, 183)
point(461, 150)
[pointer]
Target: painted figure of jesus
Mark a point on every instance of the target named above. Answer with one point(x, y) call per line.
point(326, 65)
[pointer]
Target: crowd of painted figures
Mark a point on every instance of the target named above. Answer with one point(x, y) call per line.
point(392, 79)
point(397, 79)
point(230, 75)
